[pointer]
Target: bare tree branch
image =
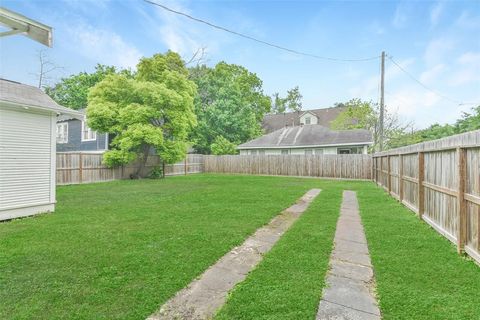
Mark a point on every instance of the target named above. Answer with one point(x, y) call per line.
point(199, 57)
point(46, 66)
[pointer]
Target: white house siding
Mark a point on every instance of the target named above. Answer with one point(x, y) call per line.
point(26, 162)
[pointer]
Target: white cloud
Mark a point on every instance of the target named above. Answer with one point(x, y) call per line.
point(467, 70)
point(471, 58)
point(437, 50)
point(104, 46)
point(400, 18)
point(468, 21)
point(433, 73)
point(436, 13)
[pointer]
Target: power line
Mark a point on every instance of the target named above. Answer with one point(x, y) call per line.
point(258, 40)
point(425, 86)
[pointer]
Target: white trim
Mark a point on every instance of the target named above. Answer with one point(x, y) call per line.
point(59, 110)
point(308, 111)
point(26, 211)
point(62, 124)
point(106, 141)
point(53, 159)
point(309, 146)
point(86, 128)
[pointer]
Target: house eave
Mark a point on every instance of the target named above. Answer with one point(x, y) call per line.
point(58, 111)
point(306, 146)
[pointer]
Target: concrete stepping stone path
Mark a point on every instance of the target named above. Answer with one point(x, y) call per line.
point(349, 293)
point(205, 295)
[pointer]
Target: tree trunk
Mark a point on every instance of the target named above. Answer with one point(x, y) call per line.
point(143, 162)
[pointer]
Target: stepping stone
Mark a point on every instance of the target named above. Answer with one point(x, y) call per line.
point(349, 293)
point(205, 295)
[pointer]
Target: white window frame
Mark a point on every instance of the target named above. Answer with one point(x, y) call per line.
point(64, 126)
point(284, 151)
point(91, 135)
point(308, 152)
point(319, 151)
point(308, 120)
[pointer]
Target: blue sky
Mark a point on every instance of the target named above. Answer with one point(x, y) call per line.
point(436, 41)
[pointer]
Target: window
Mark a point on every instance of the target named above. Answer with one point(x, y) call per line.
point(87, 133)
point(318, 151)
point(308, 120)
point(352, 150)
point(261, 152)
point(308, 152)
point(285, 151)
point(253, 152)
point(62, 132)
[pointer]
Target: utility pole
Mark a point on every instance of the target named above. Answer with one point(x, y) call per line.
point(382, 103)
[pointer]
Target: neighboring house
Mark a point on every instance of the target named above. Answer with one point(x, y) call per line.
point(324, 117)
point(309, 139)
point(27, 149)
point(74, 135)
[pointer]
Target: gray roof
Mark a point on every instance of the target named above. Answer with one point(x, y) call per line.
point(272, 122)
point(25, 95)
point(66, 117)
point(309, 135)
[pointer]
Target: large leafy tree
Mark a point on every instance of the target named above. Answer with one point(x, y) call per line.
point(365, 115)
point(292, 102)
point(152, 111)
point(468, 122)
point(230, 103)
point(72, 91)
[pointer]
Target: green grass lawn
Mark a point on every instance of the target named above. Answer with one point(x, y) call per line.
point(419, 274)
point(288, 283)
point(119, 250)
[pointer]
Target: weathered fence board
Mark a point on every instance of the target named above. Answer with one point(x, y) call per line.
point(440, 181)
point(327, 166)
point(85, 167)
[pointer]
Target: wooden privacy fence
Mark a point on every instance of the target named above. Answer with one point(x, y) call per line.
point(440, 181)
point(86, 167)
point(351, 166)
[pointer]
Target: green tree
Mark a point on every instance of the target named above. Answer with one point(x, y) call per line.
point(72, 92)
point(152, 110)
point(292, 102)
point(223, 146)
point(468, 122)
point(365, 115)
point(230, 103)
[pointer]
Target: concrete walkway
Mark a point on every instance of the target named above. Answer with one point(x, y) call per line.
point(204, 296)
point(350, 282)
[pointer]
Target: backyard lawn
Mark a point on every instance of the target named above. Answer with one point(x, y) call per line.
point(119, 250)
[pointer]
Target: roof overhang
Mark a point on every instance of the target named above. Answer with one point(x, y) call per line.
point(308, 146)
point(22, 25)
point(58, 111)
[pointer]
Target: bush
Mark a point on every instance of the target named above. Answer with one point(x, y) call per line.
point(223, 146)
point(156, 173)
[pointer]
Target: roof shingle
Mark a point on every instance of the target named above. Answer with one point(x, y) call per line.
point(309, 135)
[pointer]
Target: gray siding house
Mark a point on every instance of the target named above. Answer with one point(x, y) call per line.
point(309, 139)
point(74, 135)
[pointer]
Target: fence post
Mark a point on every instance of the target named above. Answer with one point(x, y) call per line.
point(381, 172)
point(389, 177)
point(421, 188)
point(461, 205)
point(400, 177)
point(374, 169)
point(80, 167)
point(185, 165)
point(163, 168)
